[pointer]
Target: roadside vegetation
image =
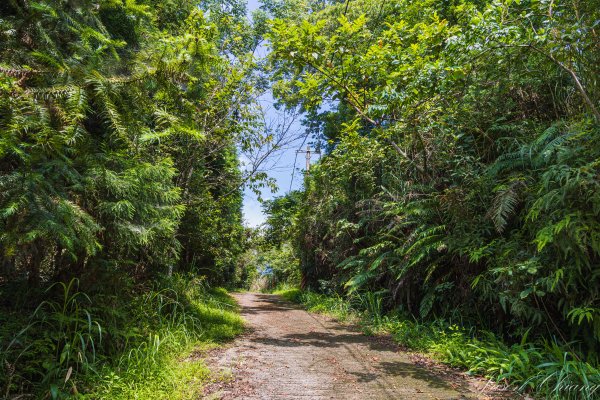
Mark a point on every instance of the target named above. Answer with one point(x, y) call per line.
point(116, 341)
point(543, 369)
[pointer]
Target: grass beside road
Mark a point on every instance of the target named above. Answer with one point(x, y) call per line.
point(126, 341)
point(546, 370)
point(167, 366)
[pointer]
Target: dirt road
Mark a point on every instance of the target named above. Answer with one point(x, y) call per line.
point(289, 353)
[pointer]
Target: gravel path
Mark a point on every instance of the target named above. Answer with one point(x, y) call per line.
point(289, 353)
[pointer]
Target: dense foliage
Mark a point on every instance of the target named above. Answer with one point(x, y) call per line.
point(120, 128)
point(462, 177)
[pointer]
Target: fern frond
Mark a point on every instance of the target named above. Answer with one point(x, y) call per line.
point(504, 204)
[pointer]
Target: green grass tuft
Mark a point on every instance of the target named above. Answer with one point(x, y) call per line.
point(292, 294)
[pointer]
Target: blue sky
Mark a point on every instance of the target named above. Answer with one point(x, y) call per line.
point(280, 166)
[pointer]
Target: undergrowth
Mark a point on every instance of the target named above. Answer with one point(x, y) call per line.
point(125, 341)
point(545, 369)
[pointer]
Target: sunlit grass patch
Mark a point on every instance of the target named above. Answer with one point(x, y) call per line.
point(171, 378)
point(290, 294)
point(175, 371)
